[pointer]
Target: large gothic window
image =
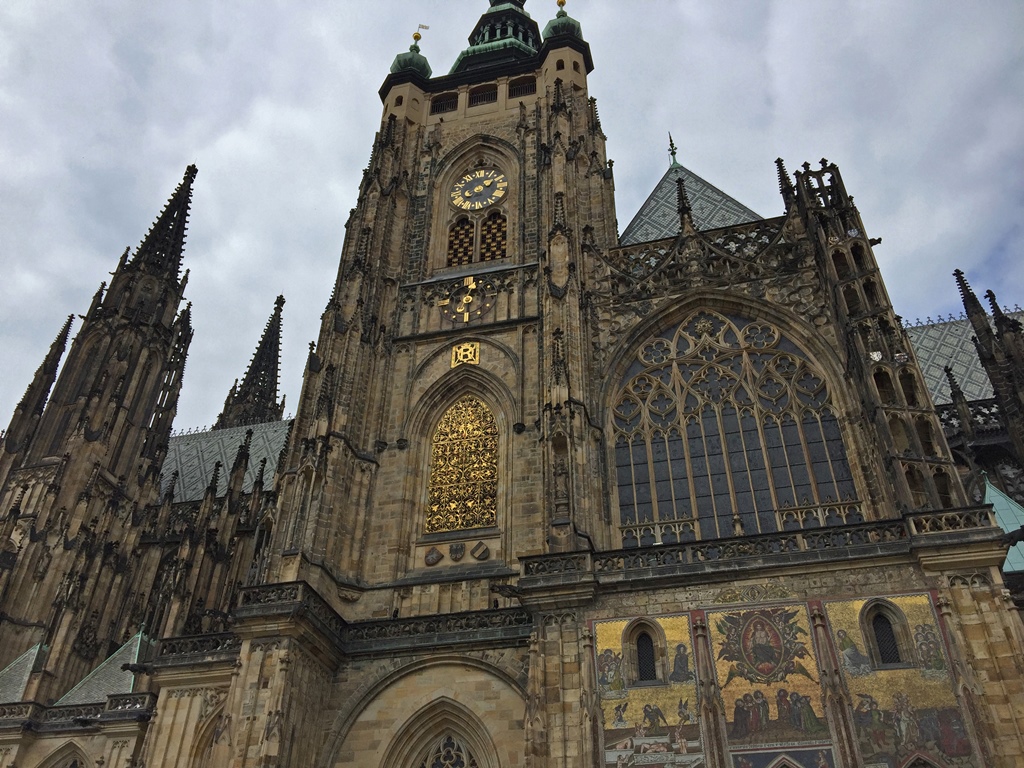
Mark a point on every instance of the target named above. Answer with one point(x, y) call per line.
point(449, 752)
point(464, 469)
point(724, 427)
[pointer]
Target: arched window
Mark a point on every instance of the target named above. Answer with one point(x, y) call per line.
point(841, 264)
point(885, 640)
point(646, 668)
point(883, 383)
point(448, 752)
point(460, 243)
point(463, 489)
point(915, 482)
point(493, 237)
point(888, 638)
point(720, 425)
point(909, 386)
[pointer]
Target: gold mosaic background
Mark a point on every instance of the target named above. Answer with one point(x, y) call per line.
point(929, 688)
point(608, 636)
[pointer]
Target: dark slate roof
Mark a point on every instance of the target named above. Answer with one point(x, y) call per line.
point(108, 678)
point(14, 677)
point(194, 455)
point(948, 342)
point(658, 218)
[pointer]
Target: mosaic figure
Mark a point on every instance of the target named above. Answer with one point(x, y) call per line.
point(681, 665)
point(855, 662)
point(764, 646)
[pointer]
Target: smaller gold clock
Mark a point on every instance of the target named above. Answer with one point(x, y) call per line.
point(479, 189)
point(468, 299)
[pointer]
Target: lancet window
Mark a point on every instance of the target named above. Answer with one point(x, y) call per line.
point(463, 489)
point(724, 427)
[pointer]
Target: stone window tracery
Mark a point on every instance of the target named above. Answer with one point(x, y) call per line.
point(463, 490)
point(724, 427)
point(449, 752)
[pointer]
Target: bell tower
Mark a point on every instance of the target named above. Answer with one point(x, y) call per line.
point(442, 431)
point(80, 464)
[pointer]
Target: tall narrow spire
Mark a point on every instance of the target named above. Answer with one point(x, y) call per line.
point(255, 400)
point(976, 314)
point(162, 247)
point(672, 151)
point(34, 400)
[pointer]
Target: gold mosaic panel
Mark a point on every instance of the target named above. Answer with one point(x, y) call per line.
point(464, 469)
point(493, 237)
point(767, 669)
point(903, 709)
point(648, 718)
point(460, 243)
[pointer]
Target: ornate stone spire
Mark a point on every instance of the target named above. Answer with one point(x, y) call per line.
point(161, 249)
point(254, 401)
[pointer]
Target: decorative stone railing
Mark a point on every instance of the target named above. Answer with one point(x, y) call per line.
point(198, 646)
point(19, 712)
point(131, 702)
point(733, 553)
point(76, 713)
point(472, 626)
point(292, 598)
point(118, 707)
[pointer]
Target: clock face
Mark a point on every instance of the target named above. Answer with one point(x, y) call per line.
point(469, 298)
point(478, 189)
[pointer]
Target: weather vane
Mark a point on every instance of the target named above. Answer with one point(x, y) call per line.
point(416, 36)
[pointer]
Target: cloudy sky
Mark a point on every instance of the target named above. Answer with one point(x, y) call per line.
point(104, 103)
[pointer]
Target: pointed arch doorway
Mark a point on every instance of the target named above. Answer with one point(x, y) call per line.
point(443, 734)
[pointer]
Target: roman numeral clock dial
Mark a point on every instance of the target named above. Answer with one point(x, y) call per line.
point(479, 189)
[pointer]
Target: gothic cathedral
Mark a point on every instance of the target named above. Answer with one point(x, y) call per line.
point(552, 498)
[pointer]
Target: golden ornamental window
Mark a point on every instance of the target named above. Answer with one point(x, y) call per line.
point(485, 241)
point(460, 242)
point(493, 237)
point(463, 489)
point(724, 427)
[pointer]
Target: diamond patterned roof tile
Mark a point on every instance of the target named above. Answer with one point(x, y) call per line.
point(658, 217)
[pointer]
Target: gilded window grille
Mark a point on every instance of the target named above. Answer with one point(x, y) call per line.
point(460, 243)
point(724, 427)
point(449, 752)
point(493, 237)
point(463, 491)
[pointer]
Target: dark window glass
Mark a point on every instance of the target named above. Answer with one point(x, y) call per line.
point(885, 640)
point(645, 668)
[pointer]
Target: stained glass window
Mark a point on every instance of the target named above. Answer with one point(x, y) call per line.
point(449, 752)
point(724, 427)
point(464, 469)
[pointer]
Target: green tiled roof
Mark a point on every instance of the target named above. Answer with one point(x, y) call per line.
point(108, 678)
point(1010, 516)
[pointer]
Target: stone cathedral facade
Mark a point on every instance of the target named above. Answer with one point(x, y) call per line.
point(552, 497)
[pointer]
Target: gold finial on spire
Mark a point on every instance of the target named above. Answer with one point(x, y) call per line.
point(416, 36)
point(561, 3)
